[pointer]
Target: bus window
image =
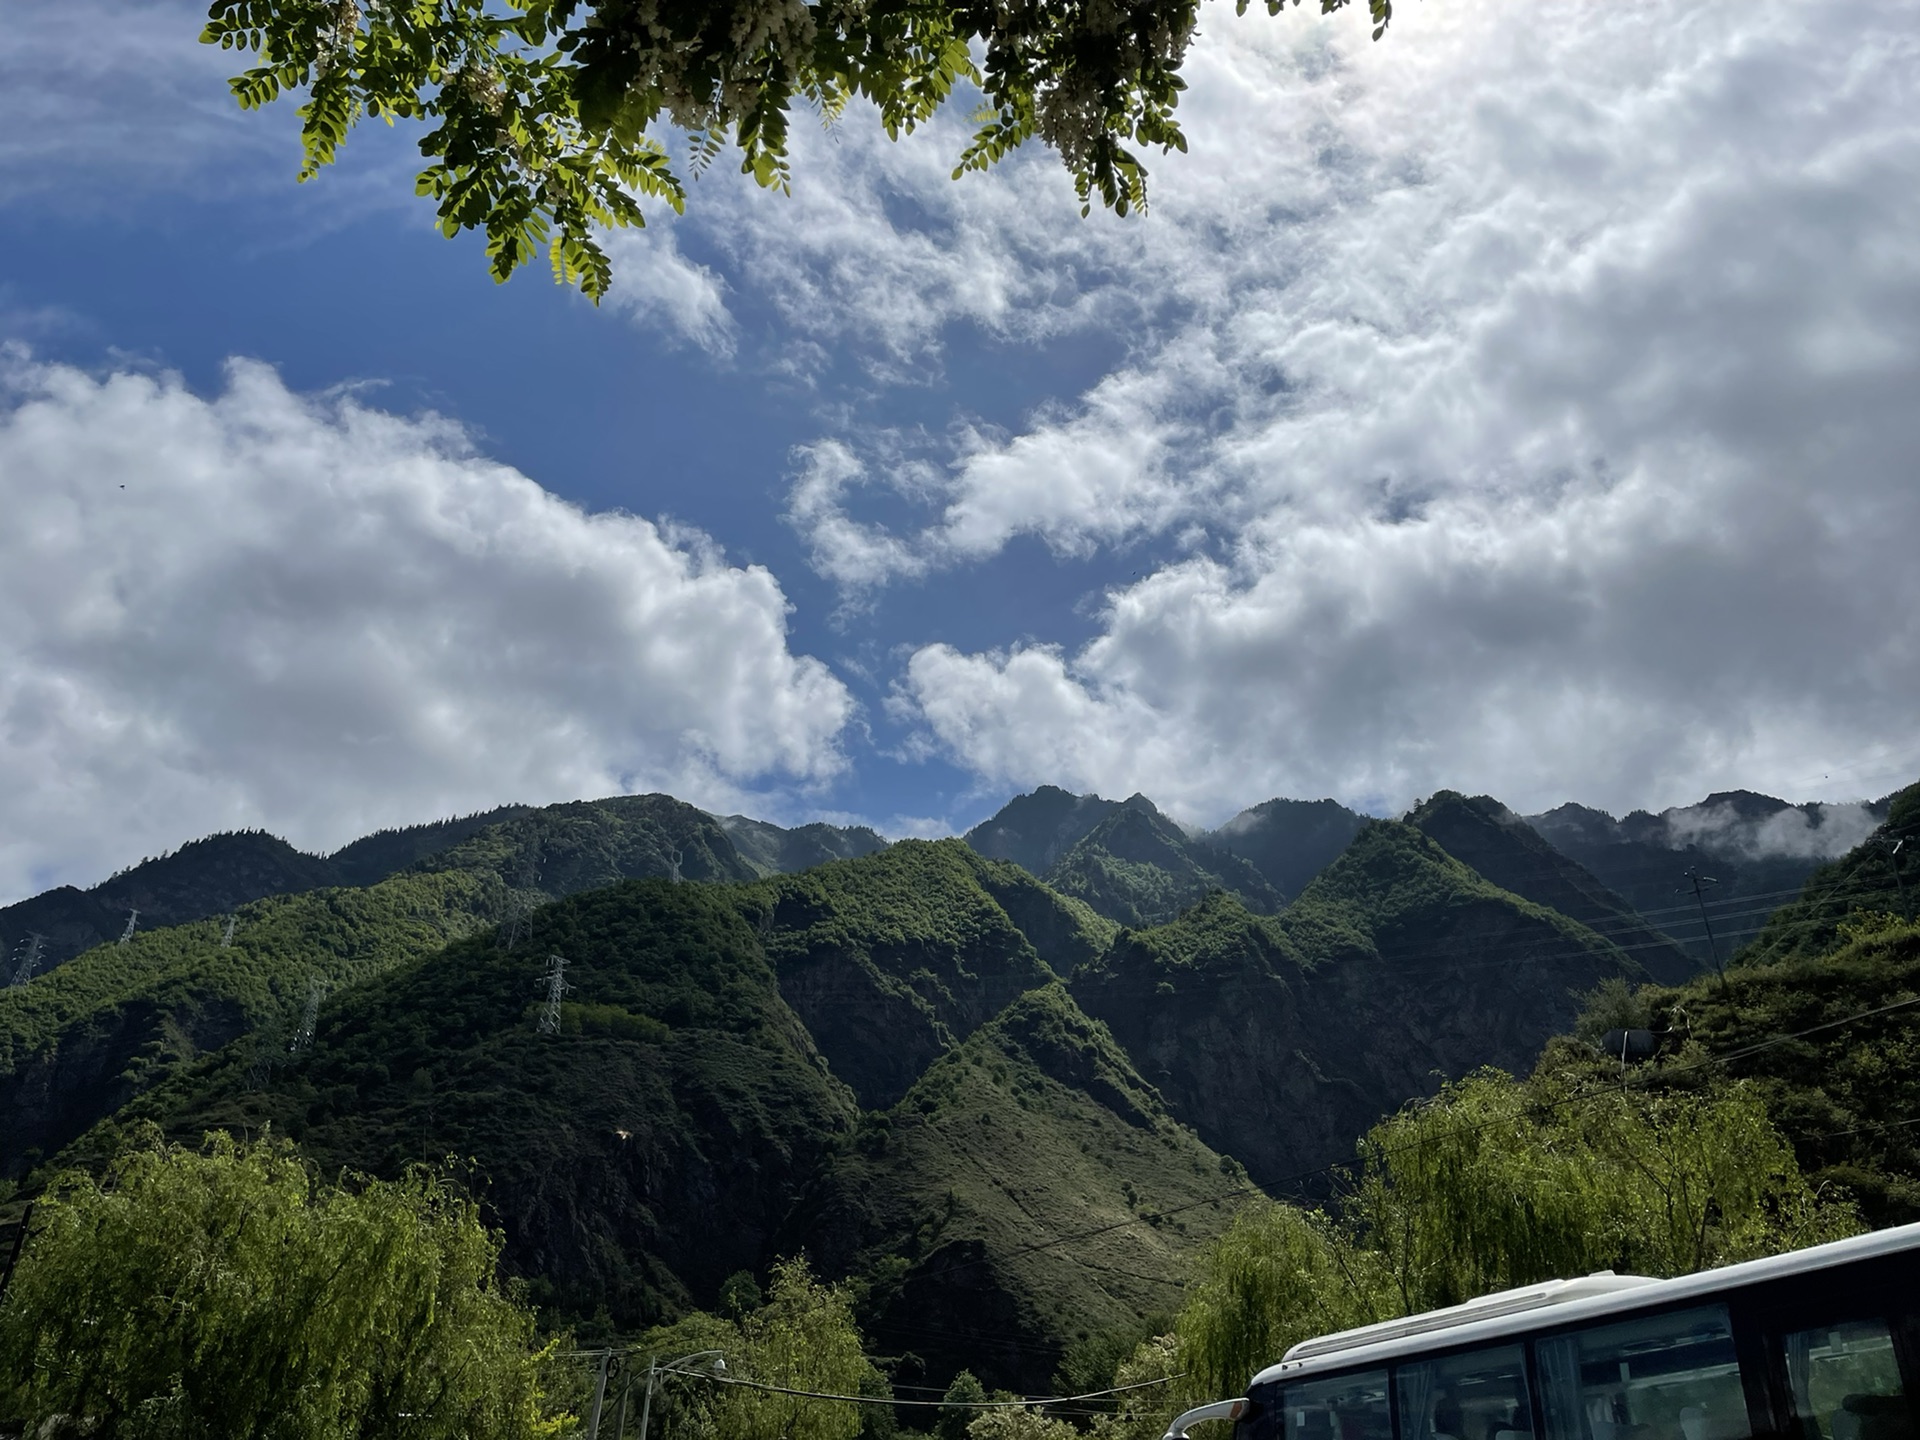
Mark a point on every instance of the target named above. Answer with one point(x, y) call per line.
point(1345, 1407)
point(1477, 1396)
point(1846, 1383)
point(1665, 1377)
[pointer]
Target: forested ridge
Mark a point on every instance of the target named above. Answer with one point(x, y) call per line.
point(1085, 1097)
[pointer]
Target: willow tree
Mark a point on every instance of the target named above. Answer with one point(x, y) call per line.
point(802, 1337)
point(1497, 1183)
point(546, 118)
point(222, 1293)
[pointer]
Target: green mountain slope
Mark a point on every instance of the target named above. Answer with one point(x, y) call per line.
point(206, 877)
point(894, 958)
point(1489, 838)
point(372, 858)
point(1289, 841)
point(1137, 867)
point(1038, 1127)
point(1280, 1039)
point(78, 1043)
point(635, 1159)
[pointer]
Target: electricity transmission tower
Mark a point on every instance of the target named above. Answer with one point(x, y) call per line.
point(1696, 880)
point(556, 982)
point(309, 1019)
point(29, 952)
point(226, 937)
point(520, 898)
point(133, 919)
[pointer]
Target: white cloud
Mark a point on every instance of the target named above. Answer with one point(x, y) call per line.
point(1544, 373)
point(314, 616)
point(658, 286)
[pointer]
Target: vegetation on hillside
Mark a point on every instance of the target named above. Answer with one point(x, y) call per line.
point(893, 959)
point(1829, 1043)
point(1281, 1038)
point(78, 1043)
point(634, 1160)
point(1037, 1127)
point(1136, 867)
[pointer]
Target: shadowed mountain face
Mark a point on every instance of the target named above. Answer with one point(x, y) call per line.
point(1137, 867)
point(1758, 851)
point(1289, 841)
point(1280, 1039)
point(1489, 838)
point(774, 851)
point(1033, 831)
point(372, 858)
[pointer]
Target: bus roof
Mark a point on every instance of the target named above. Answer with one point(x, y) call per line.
point(1519, 1312)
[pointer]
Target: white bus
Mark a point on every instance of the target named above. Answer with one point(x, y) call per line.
point(1820, 1344)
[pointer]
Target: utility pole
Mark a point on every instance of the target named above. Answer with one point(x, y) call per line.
point(655, 1370)
point(557, 986)
point(599, 1396)
point(1694, 878)
point(133, 918)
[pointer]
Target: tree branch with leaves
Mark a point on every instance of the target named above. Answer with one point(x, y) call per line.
point(548, 119)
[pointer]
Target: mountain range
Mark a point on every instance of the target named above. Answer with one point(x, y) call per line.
point(1006, 1084)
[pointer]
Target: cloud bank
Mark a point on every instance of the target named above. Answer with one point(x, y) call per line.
point(262, 608)
point(1522, 403)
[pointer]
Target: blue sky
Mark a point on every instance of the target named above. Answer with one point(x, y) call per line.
point(1522, 404)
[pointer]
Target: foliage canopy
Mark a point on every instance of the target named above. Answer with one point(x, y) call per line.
point(221, 1293)
point(546, 115)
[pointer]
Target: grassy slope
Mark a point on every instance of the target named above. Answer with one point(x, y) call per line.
point(1037, 1127)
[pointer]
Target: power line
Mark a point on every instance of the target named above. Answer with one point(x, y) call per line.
point(1026, 1404)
